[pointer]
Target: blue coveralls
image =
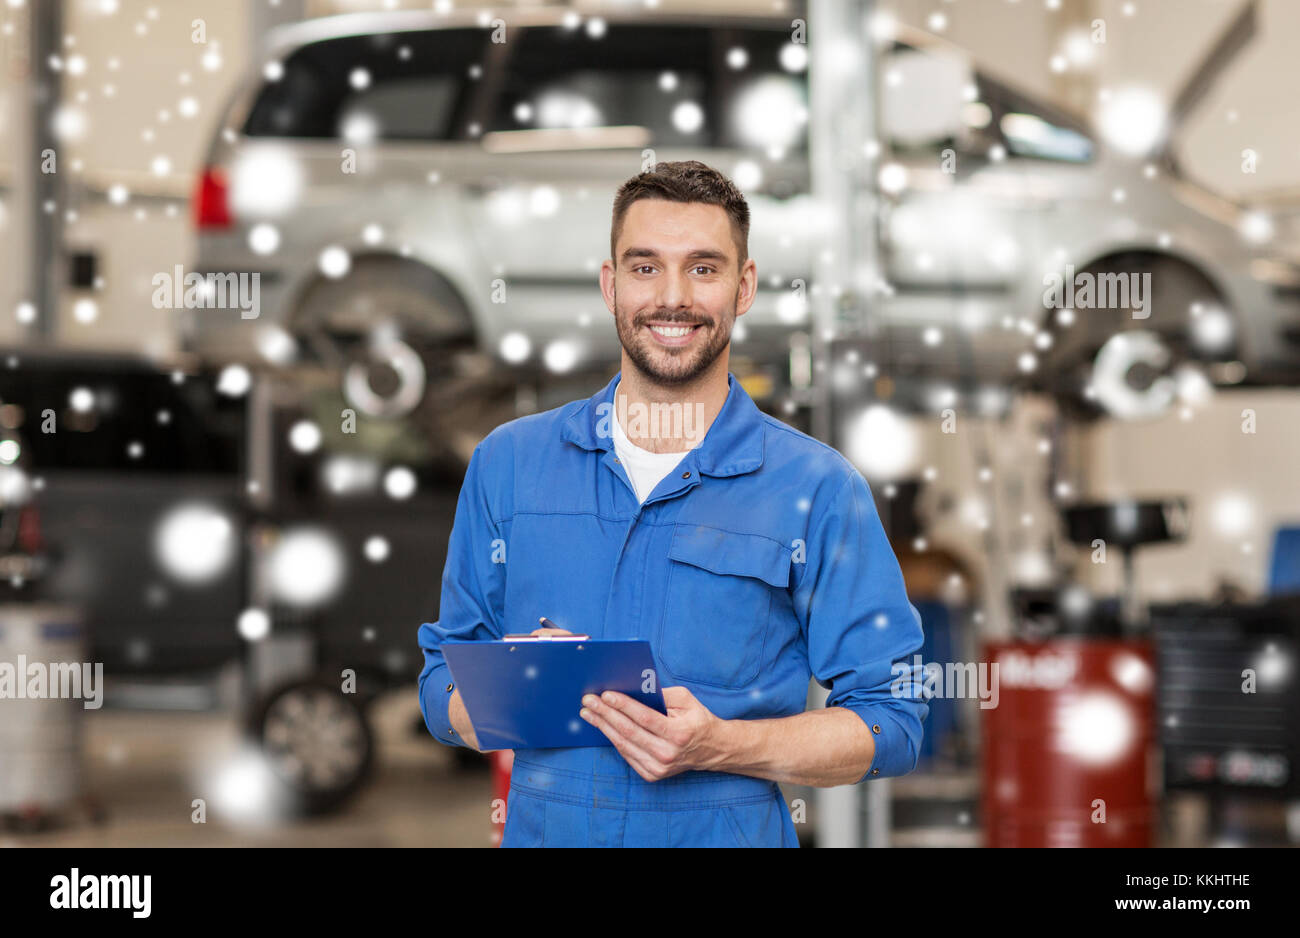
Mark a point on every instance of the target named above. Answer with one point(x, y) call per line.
point(759, 562)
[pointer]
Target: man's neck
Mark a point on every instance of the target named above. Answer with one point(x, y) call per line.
point(668, 419)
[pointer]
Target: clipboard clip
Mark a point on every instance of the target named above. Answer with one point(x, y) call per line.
point(545, 638)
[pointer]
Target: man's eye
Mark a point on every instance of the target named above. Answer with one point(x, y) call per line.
point(704, 267)
point(642, 267)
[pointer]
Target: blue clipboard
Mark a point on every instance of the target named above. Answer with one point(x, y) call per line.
point(527, 694)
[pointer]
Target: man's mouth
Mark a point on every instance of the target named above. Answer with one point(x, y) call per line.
point(673, 333)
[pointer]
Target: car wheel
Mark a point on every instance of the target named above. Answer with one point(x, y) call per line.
point(1111, 361)
point(317, 743)
point(381, 299)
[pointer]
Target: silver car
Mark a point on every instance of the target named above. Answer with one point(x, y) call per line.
point(420, 184)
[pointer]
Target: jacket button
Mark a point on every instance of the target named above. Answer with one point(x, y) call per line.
point(686, 475)
point(451, 732)
point(875, 771)
point(615, 460)
point(875, 727)
point(450, 686)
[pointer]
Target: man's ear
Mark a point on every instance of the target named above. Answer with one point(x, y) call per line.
point(748, 288)
point(607, 284)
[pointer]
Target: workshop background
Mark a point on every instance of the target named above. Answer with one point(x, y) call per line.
point(1032, 265)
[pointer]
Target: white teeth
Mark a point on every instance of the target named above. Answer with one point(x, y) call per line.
point(673, 332)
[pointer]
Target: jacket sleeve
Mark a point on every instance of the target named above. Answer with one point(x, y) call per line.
point(862, 630)
point(473, 588)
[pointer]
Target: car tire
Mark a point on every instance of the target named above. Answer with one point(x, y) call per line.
point(317, 743)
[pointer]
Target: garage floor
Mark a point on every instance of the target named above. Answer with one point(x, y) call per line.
point(146, 768)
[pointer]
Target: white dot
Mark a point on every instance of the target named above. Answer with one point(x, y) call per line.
point(304, 436)
point(376, 549)
point(747, 175)
point(399, 482)
point(234, 381)
point(81, 400)
point(560, 356)
point(335, 262)
point(515, 347)
point(688, 117)
point(359, 78)
point(85, 310)
point(254, 624)
point(794, 57)
point(263, 238)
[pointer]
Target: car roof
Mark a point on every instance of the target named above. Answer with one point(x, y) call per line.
point(290, 36)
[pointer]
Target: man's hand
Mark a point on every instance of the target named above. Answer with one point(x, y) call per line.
point(459, 718)
point(658, 746)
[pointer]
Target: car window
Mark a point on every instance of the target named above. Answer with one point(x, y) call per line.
point(654, 77)
point(687, 86)
point(1031, 135)
point(387, 86)
point(1033, 128)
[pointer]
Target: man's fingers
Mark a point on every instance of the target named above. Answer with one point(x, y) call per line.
point(551, 632)
point(657, 746)
point(652, 720)
point(641, 761)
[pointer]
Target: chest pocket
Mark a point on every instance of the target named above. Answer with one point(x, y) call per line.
point(718, 608)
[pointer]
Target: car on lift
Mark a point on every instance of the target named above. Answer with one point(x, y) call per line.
point(411, 186)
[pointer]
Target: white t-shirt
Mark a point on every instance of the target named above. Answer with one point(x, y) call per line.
point(644, 468)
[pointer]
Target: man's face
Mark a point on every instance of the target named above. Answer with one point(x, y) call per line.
point(676, 269)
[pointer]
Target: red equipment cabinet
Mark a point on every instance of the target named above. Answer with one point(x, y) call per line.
point(502, 760)
point(1069, 756)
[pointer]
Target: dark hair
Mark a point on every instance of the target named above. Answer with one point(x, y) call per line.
point(685, 181)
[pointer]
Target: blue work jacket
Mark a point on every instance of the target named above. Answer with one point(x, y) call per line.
point(757, 564)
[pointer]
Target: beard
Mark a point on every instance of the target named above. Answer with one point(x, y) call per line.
point(672, 366)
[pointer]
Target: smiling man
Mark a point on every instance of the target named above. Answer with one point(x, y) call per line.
point(748, 554)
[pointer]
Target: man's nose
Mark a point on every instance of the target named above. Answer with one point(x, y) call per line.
point(674, 291)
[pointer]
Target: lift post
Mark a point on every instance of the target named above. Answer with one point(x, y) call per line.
point(841, 138)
